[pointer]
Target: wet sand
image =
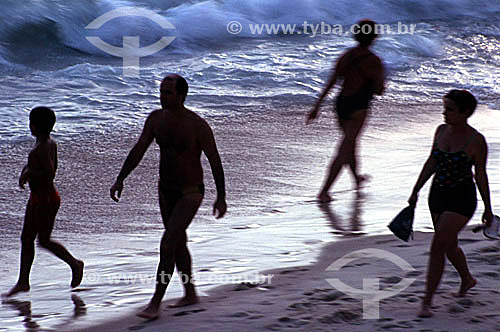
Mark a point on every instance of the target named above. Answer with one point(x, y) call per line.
point(300, 298)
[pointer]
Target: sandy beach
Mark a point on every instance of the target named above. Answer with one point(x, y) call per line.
point(301, 299)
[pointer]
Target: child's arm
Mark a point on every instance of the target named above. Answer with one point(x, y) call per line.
point(40, 166)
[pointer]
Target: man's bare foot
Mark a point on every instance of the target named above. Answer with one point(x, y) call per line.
point(77, 272)
point(465, 287)
point(425, 311)
point(18, 288)
point(324, 198)
point(185, 301)
point(151, 312)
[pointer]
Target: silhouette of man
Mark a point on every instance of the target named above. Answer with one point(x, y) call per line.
point(182, 136)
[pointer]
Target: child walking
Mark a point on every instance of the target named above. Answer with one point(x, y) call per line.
point(43, 203)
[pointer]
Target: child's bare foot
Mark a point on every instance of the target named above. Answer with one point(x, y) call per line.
point(151, 312)
point(77, 272)
point(465, 286)
point(185, 301)
point(324, 198)
point(425, 311)
point(18, 288)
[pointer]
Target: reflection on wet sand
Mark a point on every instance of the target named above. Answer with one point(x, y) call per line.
point(355, 225)
point(24, 309)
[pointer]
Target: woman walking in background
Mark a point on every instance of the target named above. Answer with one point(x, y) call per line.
point(362, 73)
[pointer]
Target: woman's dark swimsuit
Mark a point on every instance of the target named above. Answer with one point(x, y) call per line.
point(345, 106)
point(453, 187)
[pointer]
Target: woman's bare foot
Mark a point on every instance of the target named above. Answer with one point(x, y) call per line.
point(185, 301)
point(151, 312)
point(425, 311)
point(361, 179)
point(18, 288)
point(465, 286)
point(77, 272)
point(324, 198)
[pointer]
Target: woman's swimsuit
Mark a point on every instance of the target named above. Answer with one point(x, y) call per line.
point(453, 187)
point(345, 106)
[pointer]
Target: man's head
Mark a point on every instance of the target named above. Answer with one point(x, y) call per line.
point(42, 120)
point(364, 32)
point(173, 91)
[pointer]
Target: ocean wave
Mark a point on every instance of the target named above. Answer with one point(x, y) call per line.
point(202, 24)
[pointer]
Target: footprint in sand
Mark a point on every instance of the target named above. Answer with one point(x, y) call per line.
point(412, 274)
point(466, 241)
point(456, 308)
point(293, 323)
point(294, 271)
point(391, 280)
point(383, 320)
point(465, 302)
point(266, 303)
point(386, 241)
point(300, 306)
point(239, 314)
point(137, 327)
point(273, 327)
point(489, 274)
point(489, 249)
point(340, 316)
point(187, 312)
point(331, 296)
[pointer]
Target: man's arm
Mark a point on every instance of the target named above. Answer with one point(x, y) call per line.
point(134, 157)
point(209, 147)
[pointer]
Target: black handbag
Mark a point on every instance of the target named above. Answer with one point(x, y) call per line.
point(402, 224)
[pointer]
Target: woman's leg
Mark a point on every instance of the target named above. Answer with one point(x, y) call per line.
point(346, 153)
point(354, 128)
point(445, 239)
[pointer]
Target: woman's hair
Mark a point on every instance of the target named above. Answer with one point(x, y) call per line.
point(364, 32)
point(464, 100)
point(43, 119)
